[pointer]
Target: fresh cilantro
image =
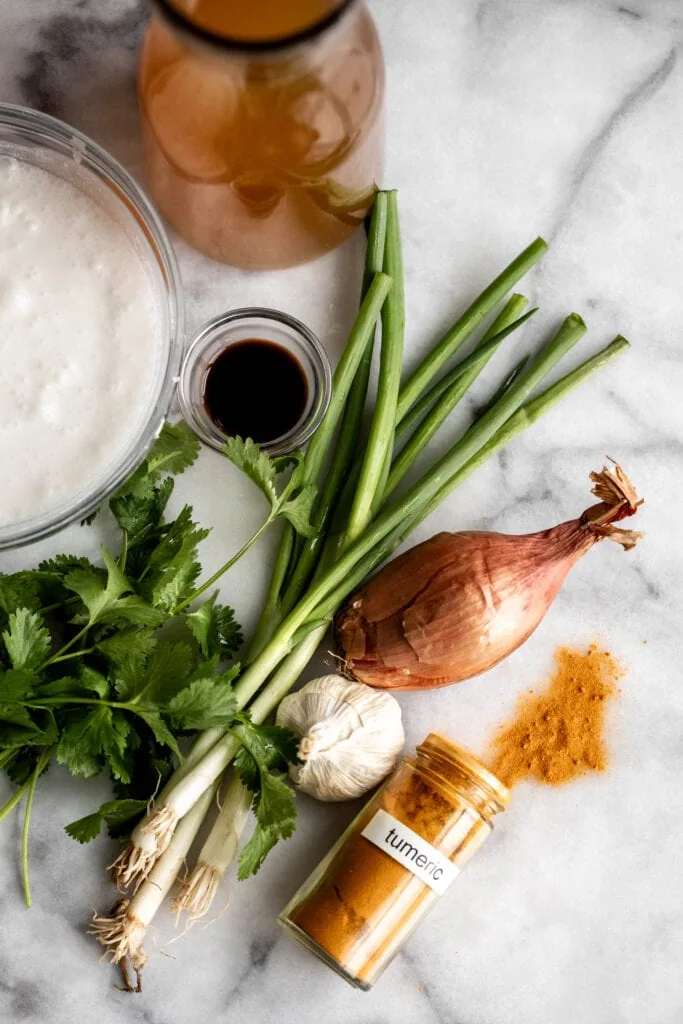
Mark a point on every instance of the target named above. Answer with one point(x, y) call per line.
point(254, 463)
point(139, 514)
point(17, 684)
point(165, 671)
point(261, 762)
point(175, 582)
point(98, 591)
point(113, 813)
point(95, 738)
point(174, 450)
point(214, 628)
point(295, 501)
point(62, 565)
point(85, 677)
point(128, 649)
point(208, 702)
point(27, 640)
point(19, 590)
point(160, 731)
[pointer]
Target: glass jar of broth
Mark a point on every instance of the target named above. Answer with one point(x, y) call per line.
point(262, 124)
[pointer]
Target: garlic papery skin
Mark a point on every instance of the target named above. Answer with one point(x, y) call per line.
point(351, 736)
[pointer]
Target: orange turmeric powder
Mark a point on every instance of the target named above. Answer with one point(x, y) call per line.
point(558, 735)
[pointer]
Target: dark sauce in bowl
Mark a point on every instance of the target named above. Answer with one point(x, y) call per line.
point(255, 389)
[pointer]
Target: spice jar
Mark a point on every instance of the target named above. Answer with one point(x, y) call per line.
point(395, 859)
point(262, 124)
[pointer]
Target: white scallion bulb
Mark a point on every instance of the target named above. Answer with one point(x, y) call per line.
point(351, 736)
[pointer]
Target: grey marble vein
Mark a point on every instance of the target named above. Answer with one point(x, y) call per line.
point(643, 93)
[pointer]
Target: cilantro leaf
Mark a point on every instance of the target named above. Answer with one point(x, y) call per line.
point(19, 590)
point(27, 640)
point(91, 739)
point(161, 732)
point(214, 628)
point(295, 503)
point(256, 464)
point(175, 582)
point(297, 509)
point(275, 812)
point(133, 610)
point(87, 682)
point(176, 448)
point(62, 565)
point(141, 511)
point(265, 749)
point(112, 813)
point(17, 684)
point(164, 672)
point(271, 747)
point(98, 591)
point(208, 702)
point(180, 530)
point(128, 648)
point(172, 565)
point(85, 829)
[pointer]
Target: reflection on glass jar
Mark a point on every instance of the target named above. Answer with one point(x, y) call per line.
point(263, 124)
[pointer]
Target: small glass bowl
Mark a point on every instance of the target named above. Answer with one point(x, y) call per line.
point(267, 325)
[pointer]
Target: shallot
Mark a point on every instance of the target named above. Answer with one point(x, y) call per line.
point(459, 603)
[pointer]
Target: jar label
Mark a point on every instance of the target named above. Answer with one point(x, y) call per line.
point(410, 850)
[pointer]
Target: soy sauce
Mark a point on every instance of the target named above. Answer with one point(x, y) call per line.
point(255, 389)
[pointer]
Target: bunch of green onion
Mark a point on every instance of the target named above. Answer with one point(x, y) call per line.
point(359, 521)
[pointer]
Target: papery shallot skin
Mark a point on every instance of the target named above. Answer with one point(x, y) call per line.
point(457, 604)
point(454, 606)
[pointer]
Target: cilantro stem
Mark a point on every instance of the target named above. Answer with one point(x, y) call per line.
point(81, 652)
point(224, 568)
point(32, 782)
point(67, 647)
point(124, 550)
point(118, 705)
point(5, 758)
point(14, 800)
point(270, 616)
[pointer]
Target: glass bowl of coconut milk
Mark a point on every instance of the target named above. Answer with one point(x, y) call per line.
point(91, 325)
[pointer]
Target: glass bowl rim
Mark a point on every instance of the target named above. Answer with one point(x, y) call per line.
point(322, 374)
point(53, 134)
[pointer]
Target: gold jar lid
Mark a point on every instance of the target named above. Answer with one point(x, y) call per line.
point(464, 763)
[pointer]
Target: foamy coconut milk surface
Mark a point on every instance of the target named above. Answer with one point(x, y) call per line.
point(79, 342)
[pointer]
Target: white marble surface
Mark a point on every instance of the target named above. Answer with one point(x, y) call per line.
point(508, 118)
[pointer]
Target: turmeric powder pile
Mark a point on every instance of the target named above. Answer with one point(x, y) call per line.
point(559, 734)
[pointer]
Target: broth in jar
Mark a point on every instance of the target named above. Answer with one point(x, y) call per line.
point(263, 125)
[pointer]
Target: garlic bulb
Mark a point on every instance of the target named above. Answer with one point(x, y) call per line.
point(351, 736)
